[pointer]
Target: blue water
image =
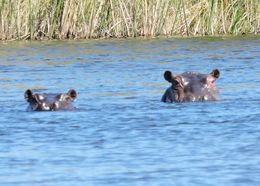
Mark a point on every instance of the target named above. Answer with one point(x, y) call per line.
point(121, 134)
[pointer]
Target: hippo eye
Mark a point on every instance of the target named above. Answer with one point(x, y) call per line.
point(40, 97)
point(59, 97)
point(33, 101)
point(175, 82)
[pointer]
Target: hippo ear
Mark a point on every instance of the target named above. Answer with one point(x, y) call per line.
point(168, 76)
point(215, 73)
point(28, 95)
point(72, 94)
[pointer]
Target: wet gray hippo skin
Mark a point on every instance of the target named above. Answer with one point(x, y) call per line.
point(50, 102)
point(191, 86)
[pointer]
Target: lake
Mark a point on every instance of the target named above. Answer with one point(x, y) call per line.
point(121, 133)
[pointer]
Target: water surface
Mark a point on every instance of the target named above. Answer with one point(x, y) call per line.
point(121, 134)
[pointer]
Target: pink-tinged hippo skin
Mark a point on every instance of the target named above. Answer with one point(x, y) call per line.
point(50, 102)
point(191, 86)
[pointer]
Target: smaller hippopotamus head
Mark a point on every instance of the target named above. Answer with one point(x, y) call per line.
point(191, 86)
point(50, 102)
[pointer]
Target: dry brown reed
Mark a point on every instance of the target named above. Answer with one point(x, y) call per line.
point(74, 19)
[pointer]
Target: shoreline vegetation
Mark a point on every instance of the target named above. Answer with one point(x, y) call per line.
point(86, 19)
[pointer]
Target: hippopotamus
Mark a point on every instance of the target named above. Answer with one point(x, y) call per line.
point(50, 102)
point(191, 86)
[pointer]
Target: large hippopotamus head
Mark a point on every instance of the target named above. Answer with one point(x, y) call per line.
point(50, 102)
point(191, 86)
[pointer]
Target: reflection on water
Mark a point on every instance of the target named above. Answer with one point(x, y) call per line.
point(121, 133)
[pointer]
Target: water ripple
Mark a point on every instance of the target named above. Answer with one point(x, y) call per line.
point(120, 133)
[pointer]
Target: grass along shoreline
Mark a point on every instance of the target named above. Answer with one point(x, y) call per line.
point(80, 19)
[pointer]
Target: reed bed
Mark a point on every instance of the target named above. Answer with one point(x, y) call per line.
point(75, 19)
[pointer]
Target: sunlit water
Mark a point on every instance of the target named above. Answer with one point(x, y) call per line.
point(121, 134)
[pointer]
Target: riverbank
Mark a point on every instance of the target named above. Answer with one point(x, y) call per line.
point(81, 19)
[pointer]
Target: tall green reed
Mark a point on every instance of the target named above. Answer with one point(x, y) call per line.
point(74, 19)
